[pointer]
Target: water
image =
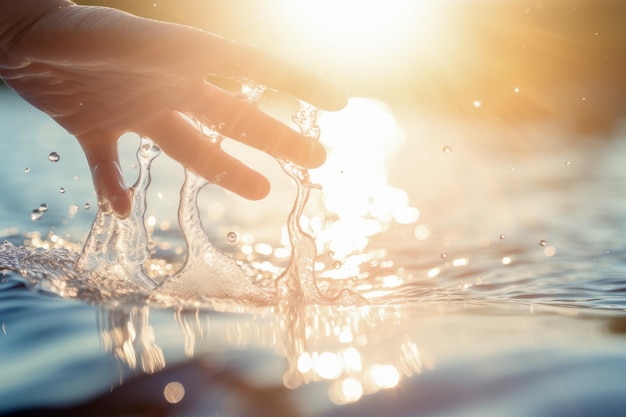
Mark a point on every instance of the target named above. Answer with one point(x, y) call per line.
point(502, 325)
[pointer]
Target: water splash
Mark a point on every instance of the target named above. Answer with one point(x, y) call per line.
point(113, 263)
point(207, 272)
point(118, 248)
point(298, 280)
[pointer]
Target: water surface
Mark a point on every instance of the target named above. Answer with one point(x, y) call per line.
point(503, 294)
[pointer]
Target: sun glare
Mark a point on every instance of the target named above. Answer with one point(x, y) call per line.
point(350, 18)
point(360, 25)
point(359, 140)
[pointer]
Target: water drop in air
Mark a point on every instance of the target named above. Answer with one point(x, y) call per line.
point(36, 214)
point(337, 265)
point(542, 242)
point(87, 206)
point(502, 237)
point(43, 207)
point(54, 157)
point(446, 149)
point(62, 190)
point(27, 170)
point(232, 237)
point(444, 255)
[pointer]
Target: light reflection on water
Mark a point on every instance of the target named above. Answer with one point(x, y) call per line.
point(353, 347)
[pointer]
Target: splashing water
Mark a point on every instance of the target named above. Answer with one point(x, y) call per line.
point(112, 264)
point(207, 272)
point(299, 278)
point(118, 248)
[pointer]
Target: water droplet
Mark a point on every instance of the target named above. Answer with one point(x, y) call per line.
point(221, 125)
point(444, 255)
point(567, 162)
point(27, 170)
point(502, 237)
point(516, 89)
point(36, 215)
point(43, 207)
point(87, 206)
point(477, 103)
point(232, 237)
point(337, 264)
point(542, 242)
point(446, 149)
point(62, 190)
point(243, 136)
point(54, 157)
point(73, 209)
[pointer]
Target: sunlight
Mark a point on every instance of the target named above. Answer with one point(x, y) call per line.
point(356, 192)
point(361, 25)
point(382, 376)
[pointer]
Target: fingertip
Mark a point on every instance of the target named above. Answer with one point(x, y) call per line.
point(335, 100)
point(111, 189)
point(121, 203)
point(257, 189)
point(318, 155)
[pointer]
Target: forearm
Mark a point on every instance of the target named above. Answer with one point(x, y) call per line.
point(16, 16)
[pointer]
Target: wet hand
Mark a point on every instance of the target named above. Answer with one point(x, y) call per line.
point(100, 73)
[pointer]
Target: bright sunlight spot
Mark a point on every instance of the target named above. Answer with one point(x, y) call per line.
point(361, 25)
point(359, 140)
point(383, 376)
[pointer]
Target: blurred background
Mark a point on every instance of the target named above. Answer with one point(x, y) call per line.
point(501, 62)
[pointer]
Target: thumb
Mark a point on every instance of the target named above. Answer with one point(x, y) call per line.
point(108, 181)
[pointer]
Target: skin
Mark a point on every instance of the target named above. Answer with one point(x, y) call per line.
point(100, 72)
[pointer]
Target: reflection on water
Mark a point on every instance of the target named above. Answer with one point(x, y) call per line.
point(127, 334)
point(353, 347)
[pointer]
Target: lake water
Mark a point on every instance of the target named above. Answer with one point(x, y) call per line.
point(494, 260)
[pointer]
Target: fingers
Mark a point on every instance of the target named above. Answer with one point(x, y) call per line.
point(243, 61)
point(108, 181)
point(182, 141)
point(246, 123)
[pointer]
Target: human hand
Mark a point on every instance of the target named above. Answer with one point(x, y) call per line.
point(101, 72)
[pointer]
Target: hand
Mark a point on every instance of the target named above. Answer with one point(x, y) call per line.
point(101, 72)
